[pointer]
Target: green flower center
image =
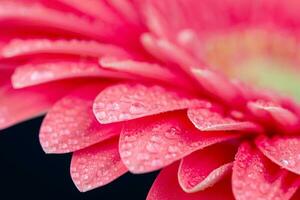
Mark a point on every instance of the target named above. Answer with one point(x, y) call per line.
point(267, 59)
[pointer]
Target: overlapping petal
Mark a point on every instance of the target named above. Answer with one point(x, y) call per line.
point(151, 143)
point(34, 74)
point(19, 105)
point(255, 177)
point(97, 165)
point(31, 47)
point(284, 151)
point(70, 125)
point(204, 168)
point(208, 120)
point(166, 187)
point(126, 102)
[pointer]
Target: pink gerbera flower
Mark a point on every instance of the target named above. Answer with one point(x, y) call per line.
point(206, 90)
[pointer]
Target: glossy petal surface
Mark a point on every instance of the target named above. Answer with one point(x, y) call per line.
point(255, 177)
point(33, 74)
point(206, 120)
point(19, 105)
point(126, 102)
point(70, 125)
point(284, 151)
point(203, 168)
point(73, 47)
point(96, 165)
point(166, 187)
point(150, 143)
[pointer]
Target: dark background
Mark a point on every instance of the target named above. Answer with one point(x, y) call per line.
point(26, 172)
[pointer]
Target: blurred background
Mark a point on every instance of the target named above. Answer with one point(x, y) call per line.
point(27, 172)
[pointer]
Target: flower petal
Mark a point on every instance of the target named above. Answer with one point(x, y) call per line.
point(97, 165)
point(126, 102)
point(143, 69)
point(166, 187)
point(255, 177)
point(19, 47)
point(33, 74)
point(268, 110)
point(296, 196)
point(71, 125)
point(217, 85)
point(96, 8)
point(202, 169)
point(153, 142)
point(284, 151)
point(37, 15)
point(207, 120)
point(19, 105)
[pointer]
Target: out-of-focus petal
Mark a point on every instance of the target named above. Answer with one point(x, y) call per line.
point(19, 105)
point(74, 47)
point(97, 165)
point(218, 85)
point(166, 187)
point(267, 111)
point(126, 102)
point(143, 69)
point(37, 15)
point(70, 125)
point(284, 151)
point(204, 168)
point(150, 143)
point(255, 177)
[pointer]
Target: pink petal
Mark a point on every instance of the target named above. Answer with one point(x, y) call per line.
point(33, 74)
point(143, 69)
point(147, 144)
point(166, 187)
point(217, 85)
point(126, 102)
point(19, 105)
point(284, 151)
point(268, 110)
point(71, 125)
point(296, 196)
point(173, 53)
point(202, 169)
point(126, 9)
point(97, 165)
point(207, 120)
point(75, 47)
point(37, 15)
point(96, 8)
point(168, 52)
point(255, 177)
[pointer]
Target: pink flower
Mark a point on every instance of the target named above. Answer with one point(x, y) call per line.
point(203, 89)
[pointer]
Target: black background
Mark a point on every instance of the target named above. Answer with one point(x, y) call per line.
point(26, 172)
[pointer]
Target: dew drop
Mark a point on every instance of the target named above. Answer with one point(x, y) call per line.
point(143, 156)
point(137, 108)
point(156, 163)
point(152, 147)
point(173, 149)
point(101, 115)
point(284, 162)
point(172, 133)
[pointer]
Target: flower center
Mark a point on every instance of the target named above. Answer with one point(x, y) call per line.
point(267, 59)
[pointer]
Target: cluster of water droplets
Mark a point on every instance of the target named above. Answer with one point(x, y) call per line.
point(124, 102)
point(284, 151)
point(71, 125)
point(96, 166)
